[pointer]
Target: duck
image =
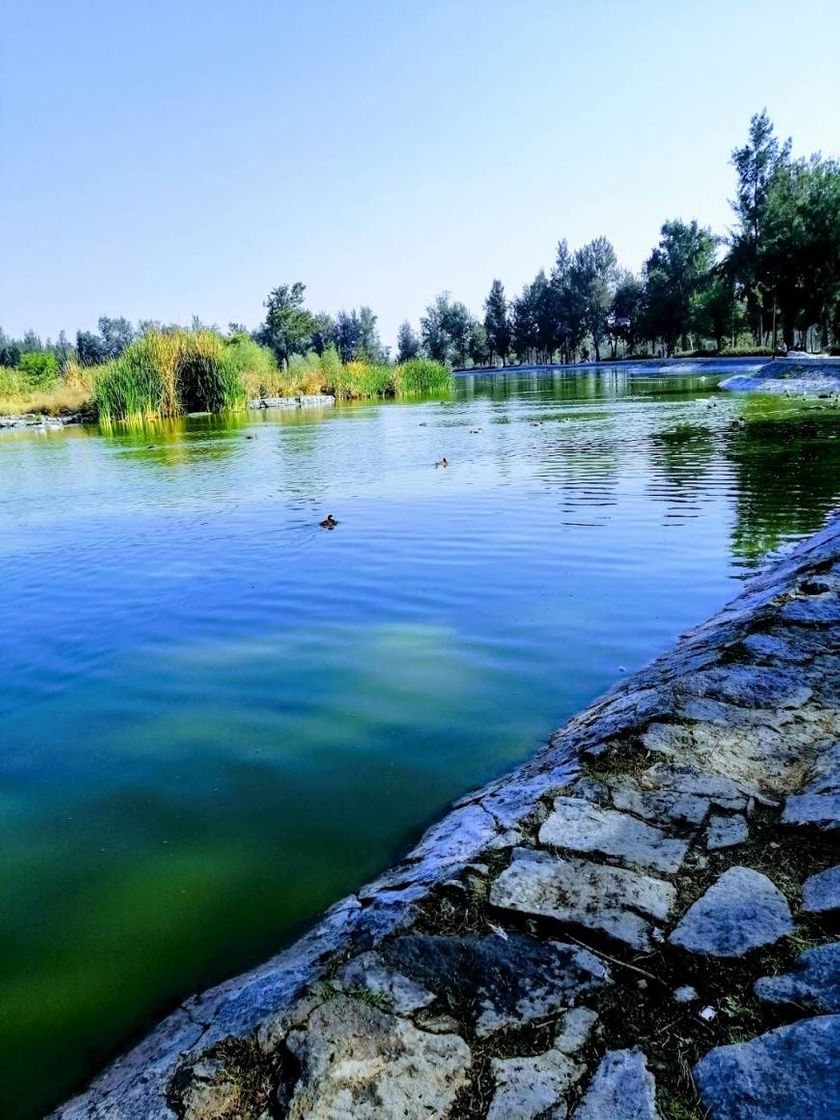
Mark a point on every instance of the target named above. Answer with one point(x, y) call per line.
point(444, 462)
point(329, 522)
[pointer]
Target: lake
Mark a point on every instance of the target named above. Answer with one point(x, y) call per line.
point(218, 718)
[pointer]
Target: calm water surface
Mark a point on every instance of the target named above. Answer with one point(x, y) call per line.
point(215, 718)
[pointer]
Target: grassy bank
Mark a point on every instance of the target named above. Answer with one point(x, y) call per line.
point(57, 394)
point(169, 373)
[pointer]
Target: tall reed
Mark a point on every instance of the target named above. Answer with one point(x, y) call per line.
point(421, 375)
point(167, 373)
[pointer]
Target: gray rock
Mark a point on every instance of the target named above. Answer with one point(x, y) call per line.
point(785, 1074)
point(749, 686)
point(368, 973)
point(612, 900)
point(688, 779)
point(622, 1089)
point(581, 827)
point(726, 832)
point(686, 994)
point(821, 893)
point(826, 777)
point(814, 982)
point(659, 805)
point(356, 1061)
point(815, 810)
point(497, 982)
point(775, 648)
point(741, 911)
point(531, 1087)
point(813, 611)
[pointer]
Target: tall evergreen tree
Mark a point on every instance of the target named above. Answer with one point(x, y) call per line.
point(408, 342)
point(497, 322)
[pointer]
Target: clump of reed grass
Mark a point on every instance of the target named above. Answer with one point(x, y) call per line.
point(421, 375)
point(358, 379)
point(170, 372)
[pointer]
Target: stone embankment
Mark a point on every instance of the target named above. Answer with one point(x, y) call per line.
point(791, 376)
point(640, 922)
point(316, 400)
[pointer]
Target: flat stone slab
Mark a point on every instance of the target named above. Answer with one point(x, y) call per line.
point(726, 832)
point(497, 982)
point(369, 973)
point(785, 1074)
point(814, 982)
point(357, 1061)
point(815, 810)
point(821, 893)
point(743, 910)
point(621, 903)
point(670, 806)
point(530, 1087)
point(749, 686)
point(579, 826)
point(622, 1089)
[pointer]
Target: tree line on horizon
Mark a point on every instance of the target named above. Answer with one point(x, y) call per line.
point(773, 281)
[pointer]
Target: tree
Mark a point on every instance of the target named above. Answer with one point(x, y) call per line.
point(755, 164)
point(408, 343)
point(569, 328)
point(592, 277)
point(625, 315)
point(675, 272)
point(497, 322)
point(90, 350)
point(116, 335)
point(445, 330)
point(289, 327)
point(370, 346)
point(800, 253)
point(479, 346)
point(523, 321)
point(9, 351)
point(324, 335)
point(715, 310)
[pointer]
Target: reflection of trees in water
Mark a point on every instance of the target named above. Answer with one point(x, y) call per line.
point(682, 461)
point(584, 465)
point(545, 385)
point(788, 479)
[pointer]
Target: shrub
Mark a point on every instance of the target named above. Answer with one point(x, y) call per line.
point(38, 370)
point(746, 351)
point(254, 365)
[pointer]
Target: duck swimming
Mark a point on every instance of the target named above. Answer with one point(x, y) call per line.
point(329, 522)
point(444, 462)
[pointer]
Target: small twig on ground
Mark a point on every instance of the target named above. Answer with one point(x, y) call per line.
point(615, 960)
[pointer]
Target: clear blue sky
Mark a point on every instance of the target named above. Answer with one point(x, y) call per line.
point(165, 159)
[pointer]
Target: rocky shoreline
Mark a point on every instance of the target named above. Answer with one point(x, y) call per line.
point(40, 422)
point(639, 922)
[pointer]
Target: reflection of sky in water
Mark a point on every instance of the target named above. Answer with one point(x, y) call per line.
point(217, 718)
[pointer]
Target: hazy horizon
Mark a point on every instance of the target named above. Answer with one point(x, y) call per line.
point(168, 163)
